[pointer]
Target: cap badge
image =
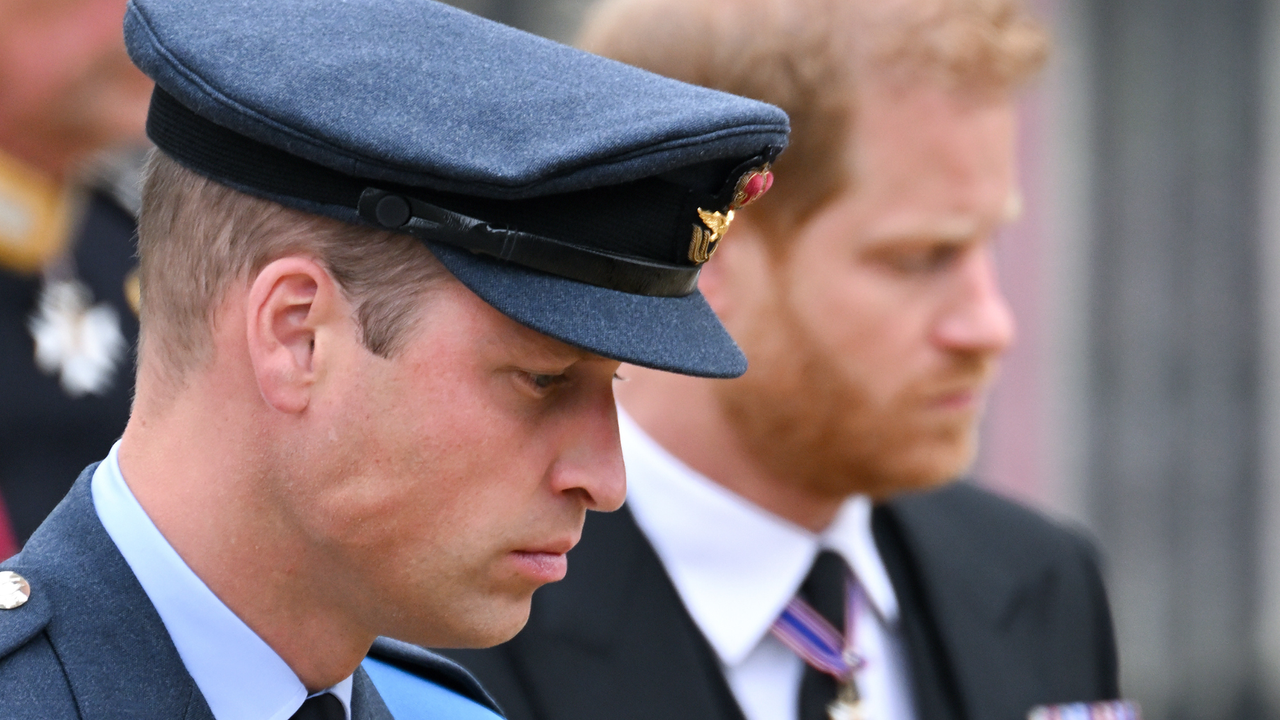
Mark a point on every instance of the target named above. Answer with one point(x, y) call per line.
point(751, 186)
point(706, 238)
point(14, 590)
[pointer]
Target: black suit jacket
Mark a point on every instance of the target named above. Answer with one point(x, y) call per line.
point(1001, 611)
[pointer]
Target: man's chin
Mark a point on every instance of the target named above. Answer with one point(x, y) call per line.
point(914, 484)
point(931, 467)
point(478, 629)
point(921, 467)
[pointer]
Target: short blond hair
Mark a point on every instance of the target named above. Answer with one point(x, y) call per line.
point(808, 56)
point(196, 237)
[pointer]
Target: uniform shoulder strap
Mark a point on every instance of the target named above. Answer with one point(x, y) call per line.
point(23, 613)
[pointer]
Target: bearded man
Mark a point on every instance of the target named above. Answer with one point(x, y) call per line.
point(791, 547)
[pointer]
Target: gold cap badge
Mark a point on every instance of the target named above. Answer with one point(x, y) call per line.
point(706, 237)
point(14, 590)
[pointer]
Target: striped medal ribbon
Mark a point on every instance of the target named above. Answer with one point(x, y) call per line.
point(819, 644)
point(1109, 710)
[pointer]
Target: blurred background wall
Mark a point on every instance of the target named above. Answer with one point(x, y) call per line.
point(1142, 401)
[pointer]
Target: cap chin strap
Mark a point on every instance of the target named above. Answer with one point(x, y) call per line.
point(393, 211)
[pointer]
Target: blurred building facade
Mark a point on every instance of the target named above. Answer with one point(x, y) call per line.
point(1143, 398)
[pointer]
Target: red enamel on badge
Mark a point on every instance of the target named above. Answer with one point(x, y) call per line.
point(751, 187)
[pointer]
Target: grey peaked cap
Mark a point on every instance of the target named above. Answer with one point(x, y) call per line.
point(419, 93)
point(557, 160)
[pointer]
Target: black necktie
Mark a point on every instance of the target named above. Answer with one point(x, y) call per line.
point(321, 707)
point(824, 590)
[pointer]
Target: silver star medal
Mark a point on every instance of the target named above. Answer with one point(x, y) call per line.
point(79, 343)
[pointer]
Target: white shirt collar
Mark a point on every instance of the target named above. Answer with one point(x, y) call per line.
point(734, 564)
point(240, 676)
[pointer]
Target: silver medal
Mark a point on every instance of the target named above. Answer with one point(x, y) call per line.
point(77, 341)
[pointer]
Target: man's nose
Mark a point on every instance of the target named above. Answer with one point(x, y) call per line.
point(976, 317)
point(591, 463)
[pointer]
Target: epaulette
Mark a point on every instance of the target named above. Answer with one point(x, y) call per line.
point(37, 217)
point(25, 609)
point(430, 668)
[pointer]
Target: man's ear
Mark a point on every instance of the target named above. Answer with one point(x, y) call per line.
point(734, 264)
point(294, 308)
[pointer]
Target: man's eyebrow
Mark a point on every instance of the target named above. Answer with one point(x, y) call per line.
point(548, 349)
point(955, 231)
point(950, 230)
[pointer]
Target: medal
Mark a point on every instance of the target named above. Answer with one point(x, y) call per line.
point(76, 341)
point(819, 644)
point(1109, 710)
point(848, 704)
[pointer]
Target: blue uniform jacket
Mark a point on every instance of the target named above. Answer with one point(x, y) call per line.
point(88, 644)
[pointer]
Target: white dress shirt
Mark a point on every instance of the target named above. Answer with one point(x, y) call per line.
point(240, 676)
point(736, 566)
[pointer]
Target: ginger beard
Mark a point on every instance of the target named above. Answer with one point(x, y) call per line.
point(803, 411)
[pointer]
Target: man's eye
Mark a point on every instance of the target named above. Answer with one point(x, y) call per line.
point(923, 260)
point(544, 382)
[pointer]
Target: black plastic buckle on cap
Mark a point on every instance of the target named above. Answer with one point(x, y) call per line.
point(425, 221)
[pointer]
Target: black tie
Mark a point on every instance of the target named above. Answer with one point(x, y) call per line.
point(824, 589)
point(321, 707)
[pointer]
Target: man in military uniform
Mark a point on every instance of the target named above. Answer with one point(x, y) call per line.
point(788, 549)
point(72, 109)
point(391, 257)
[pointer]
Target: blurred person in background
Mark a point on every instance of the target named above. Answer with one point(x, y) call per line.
point(72, 109)
point(792, 546)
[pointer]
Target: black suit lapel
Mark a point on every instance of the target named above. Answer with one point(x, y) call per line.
point(936, 694)
point(117, 655)
point(986, 592)
point(612, 640)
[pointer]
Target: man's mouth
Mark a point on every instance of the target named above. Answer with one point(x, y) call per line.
point(545, 563)
point(958, 400)
point(962, 393)
point(541, 567)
